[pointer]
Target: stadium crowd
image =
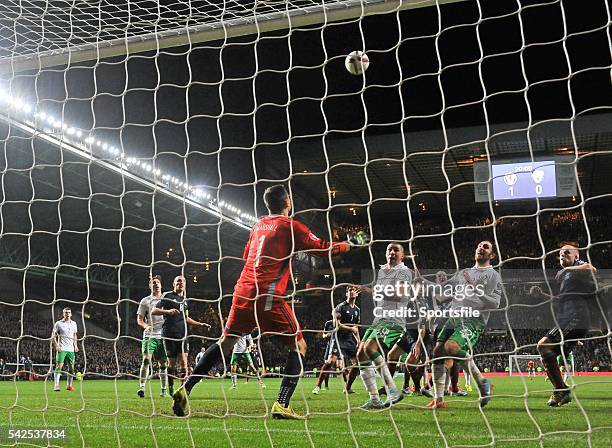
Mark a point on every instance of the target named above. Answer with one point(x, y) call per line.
point(520, 247)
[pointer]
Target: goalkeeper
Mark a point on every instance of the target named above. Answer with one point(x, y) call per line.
point(259, 297)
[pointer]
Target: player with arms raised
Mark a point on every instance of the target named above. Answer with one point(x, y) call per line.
point(259, 297)
point(64, 339)
point(572, 314)
point(459, 335)
point(152, 344)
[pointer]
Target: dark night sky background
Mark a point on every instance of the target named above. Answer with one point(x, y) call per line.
point(180, 102)
point(228, 114)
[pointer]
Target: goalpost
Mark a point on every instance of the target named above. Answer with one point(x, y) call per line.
point(189, 26)
point(137, 138)
point(516, 367)
point(517, 364)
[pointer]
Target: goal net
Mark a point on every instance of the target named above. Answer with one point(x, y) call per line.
point(138, 138)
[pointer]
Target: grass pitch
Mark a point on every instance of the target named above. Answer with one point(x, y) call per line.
point(108, 414)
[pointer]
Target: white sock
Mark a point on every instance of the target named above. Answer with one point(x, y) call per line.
point(468, 377)
point(439, 375)
point(447, 380)
point(56, 377)
point(144, 373)
point(234, 379)
point(565, 376)
point(163, 378)
point(380, 364)
point(368, 376)
point(475, 372)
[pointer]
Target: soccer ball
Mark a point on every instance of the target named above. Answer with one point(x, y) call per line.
point(359, 239)
point(357, 62)
point(363, 237)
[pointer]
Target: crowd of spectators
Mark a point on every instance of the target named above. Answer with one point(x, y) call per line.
point(522, 243)
point(494, 349)
point(121, 357)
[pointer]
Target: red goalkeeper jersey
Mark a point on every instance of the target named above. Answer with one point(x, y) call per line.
point(272, 243)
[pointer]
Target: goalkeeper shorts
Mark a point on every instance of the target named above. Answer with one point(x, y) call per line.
point(279, 320)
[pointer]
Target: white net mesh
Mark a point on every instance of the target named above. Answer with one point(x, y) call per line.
point(138, 138)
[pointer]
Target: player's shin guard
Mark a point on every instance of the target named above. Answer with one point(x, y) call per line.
point(57, 374)
point(181, 374)
point(351, 377)
point(439, 377)
point(163, 377)
point(70, 375)
point(324, 374)
point(417, 375)
point(468, 376)
point(144, 372)
point(549, 359)
point(293, 370)
point(474, 371)
point(454, 377)
point(368, 376)
point(379, 362)
point(211, 357)
point(392, 366)
point(406, 378)
point(171, 376)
